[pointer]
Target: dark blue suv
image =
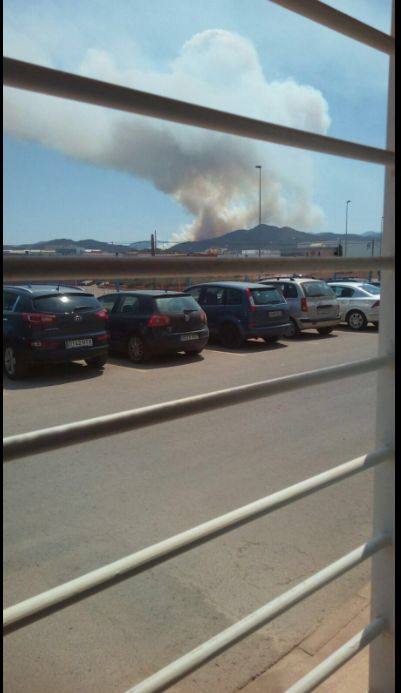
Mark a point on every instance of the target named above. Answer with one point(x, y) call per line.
point(51, 324)
point(237, 311)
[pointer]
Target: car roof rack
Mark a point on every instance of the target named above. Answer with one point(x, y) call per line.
point(290, 277)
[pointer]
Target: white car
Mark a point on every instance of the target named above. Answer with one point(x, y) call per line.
point(359, 303)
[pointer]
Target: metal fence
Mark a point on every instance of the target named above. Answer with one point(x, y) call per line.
point(380, 632)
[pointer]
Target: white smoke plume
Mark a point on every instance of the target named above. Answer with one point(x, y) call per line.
point(211, 175)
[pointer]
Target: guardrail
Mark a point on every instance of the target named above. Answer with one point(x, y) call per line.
point(380, 632)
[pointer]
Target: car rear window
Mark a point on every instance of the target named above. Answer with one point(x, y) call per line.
point(317, 289)
point(176, 304)
point(371, 288)
point(262, 297)
point(66, 303)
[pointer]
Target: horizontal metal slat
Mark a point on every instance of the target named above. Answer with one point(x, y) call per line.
point(29, 268)
point(75, 590)
point(340, 657)
point(28, 444)
point(342, 23)
point(227, 638)
point(44, 80)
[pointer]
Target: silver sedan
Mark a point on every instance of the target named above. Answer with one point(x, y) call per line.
point(359, 303)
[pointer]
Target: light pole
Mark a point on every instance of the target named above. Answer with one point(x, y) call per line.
point(346, 226)
point(260, 193)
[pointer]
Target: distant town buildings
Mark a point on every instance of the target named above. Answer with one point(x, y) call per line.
point(363, 248)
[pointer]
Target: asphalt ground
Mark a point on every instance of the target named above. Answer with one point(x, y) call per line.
point(70, 511)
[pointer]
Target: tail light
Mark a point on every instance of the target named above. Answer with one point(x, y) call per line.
point(102, 314)
point(158, 320)
point(45, 344)
point(102, 338)
point(252, 306)
point(39, 319)
point(203, 316)
point(304, 305)
point(376, 304)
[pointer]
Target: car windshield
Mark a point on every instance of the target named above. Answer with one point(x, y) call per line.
point(370, 288)
point(66, 303)
point(317, 289)
point(176, 304)
point(263, 297)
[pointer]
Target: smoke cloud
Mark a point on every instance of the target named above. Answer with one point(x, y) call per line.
point(211, 175)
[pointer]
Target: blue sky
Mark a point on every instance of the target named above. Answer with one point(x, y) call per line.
point(82, 172)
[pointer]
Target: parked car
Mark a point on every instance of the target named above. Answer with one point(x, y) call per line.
point(359, 303)
point(312, 303)
point(51, 324)
point(143, 323)
point(237, 311)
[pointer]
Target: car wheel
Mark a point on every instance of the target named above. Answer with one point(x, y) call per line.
point(14, 366)
point(96, 362)
point(270, 340)
point(356, 320)
point(293, 330)
point(231, 336)
point(325, 330)
point(137, 349)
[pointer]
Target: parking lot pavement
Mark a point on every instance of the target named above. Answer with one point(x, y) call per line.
point(72, 510)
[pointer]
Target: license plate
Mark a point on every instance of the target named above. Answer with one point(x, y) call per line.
point(189, 337)
point(275, 313)
point(74, 343)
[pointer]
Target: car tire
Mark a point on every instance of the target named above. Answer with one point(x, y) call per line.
point(138, 352)
point(13, 363)
point(230, 336)
point(293, 330)
point(271, 340)
point(97, 362)
point(356, 320)
point(325, 330)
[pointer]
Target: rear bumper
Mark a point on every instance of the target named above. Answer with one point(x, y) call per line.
point(64, 355)
point(269, 331)
point(372, 316)
point(172, 343)
point(308, 324)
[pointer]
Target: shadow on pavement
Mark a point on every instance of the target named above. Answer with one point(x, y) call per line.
point(51, 375)
point(369, 329)
point(249, 347)
point(310, 337)
point(160, 361)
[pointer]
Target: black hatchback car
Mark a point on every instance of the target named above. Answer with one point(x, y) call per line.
point(143, 323)
point(52, 324)
point(237, 311)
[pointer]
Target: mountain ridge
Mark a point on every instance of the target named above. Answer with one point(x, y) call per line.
point(266, 237)
point(260, 237)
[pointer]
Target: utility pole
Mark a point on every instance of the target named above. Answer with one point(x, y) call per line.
point(152, 244)
point(346, 226)
point(373, 252)
point(155, 242)
point(260, 193)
